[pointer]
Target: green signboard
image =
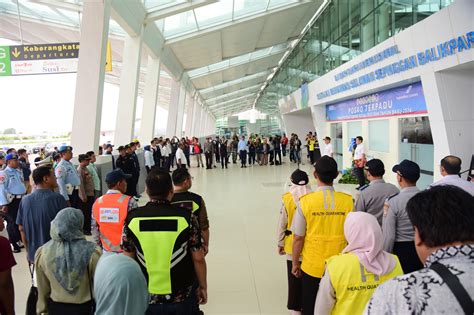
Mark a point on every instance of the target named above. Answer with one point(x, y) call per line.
point(5, 64)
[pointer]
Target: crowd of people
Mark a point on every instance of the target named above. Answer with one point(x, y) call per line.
point(390, 252)
point(382, 253)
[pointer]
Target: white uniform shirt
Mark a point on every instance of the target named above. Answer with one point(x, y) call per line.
point(455, 180)
point(149, 161)
point(359, 151)
point(328, 150)
point(180, 155)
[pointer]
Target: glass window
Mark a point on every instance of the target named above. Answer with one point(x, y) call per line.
point(354, 129)
point(379, 132)
point(368, 32)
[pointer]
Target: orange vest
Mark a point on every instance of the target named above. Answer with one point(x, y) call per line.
point(110, 212)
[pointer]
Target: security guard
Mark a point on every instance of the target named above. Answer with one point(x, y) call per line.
point(182, 182)
point(12, 189)
point(398, 231)
point(318, 229)
point(67, 177)
point(110, 210)
point(166, 242)
point(372, 196)
point(127, 165)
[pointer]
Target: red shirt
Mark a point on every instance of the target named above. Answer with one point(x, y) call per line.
point(7, 261)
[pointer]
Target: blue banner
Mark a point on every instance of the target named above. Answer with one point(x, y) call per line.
point(403, 100)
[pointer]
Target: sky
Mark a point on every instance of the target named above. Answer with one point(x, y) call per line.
point(33, 104)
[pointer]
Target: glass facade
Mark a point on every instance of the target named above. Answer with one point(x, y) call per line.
point(345, 29)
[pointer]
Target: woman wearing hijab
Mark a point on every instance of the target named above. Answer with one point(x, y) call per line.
point(299, 187)
point(351, 278)
point(120, 287)
point(65, 267)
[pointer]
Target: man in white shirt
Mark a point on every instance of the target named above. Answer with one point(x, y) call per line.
point(149, 161)
point(359, 161)
point(180, 157)
point(450, 166)
point(328, 150)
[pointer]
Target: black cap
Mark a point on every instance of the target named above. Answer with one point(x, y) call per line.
point(299, 177)
point(408, 169)
point(83, 157)
point(375, 167)
point(115, 176)
point(326, 166)
point(108, 145)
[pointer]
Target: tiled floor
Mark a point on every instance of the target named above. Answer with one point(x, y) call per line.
point(245, 273)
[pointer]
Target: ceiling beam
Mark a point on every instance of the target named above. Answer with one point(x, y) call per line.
point(218, 27)
point(162, 12)
point(233, 100)
point(232, 94)
point(263, 74)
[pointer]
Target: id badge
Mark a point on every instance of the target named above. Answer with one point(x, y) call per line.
point(69, 189)
point(109, 215)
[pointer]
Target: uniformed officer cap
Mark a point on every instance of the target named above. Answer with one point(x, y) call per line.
point(64, 148)
point(326, 168)
point(83, 157)
point(375, 167)
point(11, 156)
point(299, 177)
point(408, 169)
point(116, 176)
point(108, 145)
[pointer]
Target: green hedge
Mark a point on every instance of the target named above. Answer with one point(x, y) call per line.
point(348, 178)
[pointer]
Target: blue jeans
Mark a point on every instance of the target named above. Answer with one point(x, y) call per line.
point(185, 307)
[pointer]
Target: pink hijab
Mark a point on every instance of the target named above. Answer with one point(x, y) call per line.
point(365, 240)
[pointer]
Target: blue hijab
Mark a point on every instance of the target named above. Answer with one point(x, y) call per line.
point(120, 286)
point(68, 253)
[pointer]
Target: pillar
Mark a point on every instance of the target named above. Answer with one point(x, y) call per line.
point(189, 117)
point(203, 123)
point(180, 117)
point(196, 118)
point(147, 128)
point(129, 78)
point(86, 121)
point(173, 109)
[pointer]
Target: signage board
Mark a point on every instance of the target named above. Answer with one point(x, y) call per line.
point(403, 100)
point(43, 59)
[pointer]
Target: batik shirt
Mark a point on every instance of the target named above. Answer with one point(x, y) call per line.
point(424, 291)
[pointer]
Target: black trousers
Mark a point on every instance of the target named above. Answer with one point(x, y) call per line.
point(283, 148)
point(295, 288)
point(407, 255)
point(208, 156)
point(12, 227)
point(74, 199)
point(243, 157)
point(224, 160)
point(310, 287)
point(251, 158)
point(359, 172)
point(278, 155)
point(218, 157)
point(311, 156)
point(188, 160)
point(86, 208)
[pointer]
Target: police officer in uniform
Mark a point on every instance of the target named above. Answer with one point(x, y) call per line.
point(372, 196)
point(398, 230)
point(318, 229)
point(12, 189)
point(67, 177)
point(127, 165)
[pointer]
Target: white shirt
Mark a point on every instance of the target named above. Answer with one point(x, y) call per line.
point(149, 161)
point(164, 151)
point(180, 155)
point(455, 180)
point(359, 151)
point(328, 150)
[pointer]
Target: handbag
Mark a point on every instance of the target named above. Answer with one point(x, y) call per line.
point(455, 286)
point(33, 295)
point(87, 308)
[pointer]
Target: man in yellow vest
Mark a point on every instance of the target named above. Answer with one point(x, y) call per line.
point(318, 228)
point(110, 211)
point(299, 187)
